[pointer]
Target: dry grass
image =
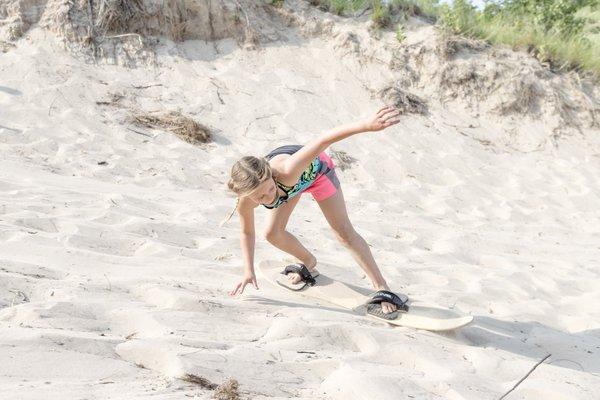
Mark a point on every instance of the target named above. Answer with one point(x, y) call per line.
point(227, 391)
point(184, 127)
point(406, 102)
point(114, 15)
point(343, 161)
point(447, 45)
point(524, 96)
point(198, 380)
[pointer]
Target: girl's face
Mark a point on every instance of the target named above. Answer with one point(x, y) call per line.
point(265, 193)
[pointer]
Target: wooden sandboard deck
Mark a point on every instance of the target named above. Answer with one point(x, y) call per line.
point(335, 292)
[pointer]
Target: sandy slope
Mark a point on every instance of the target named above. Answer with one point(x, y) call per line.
point(114, 276)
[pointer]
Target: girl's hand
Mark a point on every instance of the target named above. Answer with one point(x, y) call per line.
point(248, 278)
point(382, 119)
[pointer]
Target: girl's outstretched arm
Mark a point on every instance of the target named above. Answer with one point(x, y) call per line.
point(247, 239)
point(297, 162)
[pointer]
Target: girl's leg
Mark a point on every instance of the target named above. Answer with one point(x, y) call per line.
point(285, 241)
point(334, 209)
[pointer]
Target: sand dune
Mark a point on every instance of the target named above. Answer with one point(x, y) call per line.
point(114, 272)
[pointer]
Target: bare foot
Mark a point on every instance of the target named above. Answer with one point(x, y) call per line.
point(388, 307)
point(311, 264)
point(385, 306)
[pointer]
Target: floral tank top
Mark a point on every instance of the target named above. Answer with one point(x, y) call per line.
point(309, 175)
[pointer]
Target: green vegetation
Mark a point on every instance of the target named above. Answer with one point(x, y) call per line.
point(563, 33)
point(381, 15)
point(400, 35)
point(382, 10)
point(340, 7)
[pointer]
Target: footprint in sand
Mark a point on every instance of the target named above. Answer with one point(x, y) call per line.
point(105, 242)
point(166, 233)
point(175, 298)
point(23, 282)
point(58, 315)
point(294, 333)
point(48, 225)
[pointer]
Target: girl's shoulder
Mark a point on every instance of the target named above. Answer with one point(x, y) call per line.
point(245, 205)
point(276, 163)
point(277, 167)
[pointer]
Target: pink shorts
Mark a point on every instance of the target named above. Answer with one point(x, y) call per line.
point(327, 183)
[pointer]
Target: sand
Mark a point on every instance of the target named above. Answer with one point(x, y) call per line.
point(114, 271)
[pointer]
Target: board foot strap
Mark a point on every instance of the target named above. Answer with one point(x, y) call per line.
point(301, 270)
point(374, 304)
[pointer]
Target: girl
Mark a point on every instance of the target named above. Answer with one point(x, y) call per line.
point(277, 180)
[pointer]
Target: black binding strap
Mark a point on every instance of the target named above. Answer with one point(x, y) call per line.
point(389, 297)
point(301, 270)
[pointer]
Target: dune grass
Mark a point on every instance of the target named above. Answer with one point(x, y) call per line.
point(562, 33)
point(381, 10)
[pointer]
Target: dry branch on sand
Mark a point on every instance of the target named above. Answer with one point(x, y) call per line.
point(184, 127)
point(199, 380)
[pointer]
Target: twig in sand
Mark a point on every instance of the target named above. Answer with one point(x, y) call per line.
point(300, 90)
point(130, 336)
point(256, 119)
point(525, 377)
point(218, 93)
point(109, 285)
point(146, 86)
point(140, 133)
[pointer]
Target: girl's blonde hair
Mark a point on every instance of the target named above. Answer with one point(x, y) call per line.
point(246, 175)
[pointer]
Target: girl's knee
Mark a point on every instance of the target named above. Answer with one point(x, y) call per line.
point(346, 235)
point(272, 235)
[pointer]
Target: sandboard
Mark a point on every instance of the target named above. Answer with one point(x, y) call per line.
point(419, 316)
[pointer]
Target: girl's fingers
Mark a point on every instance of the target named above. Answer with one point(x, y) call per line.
point(392, 110)
point(387, 118)
point(232, 293)
point(388, 112)
point(384, 109)
point(390, 123)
